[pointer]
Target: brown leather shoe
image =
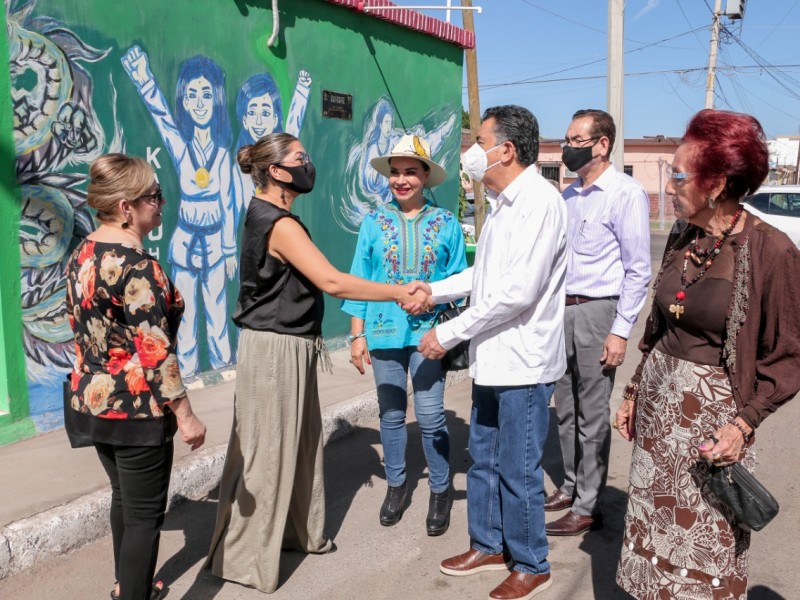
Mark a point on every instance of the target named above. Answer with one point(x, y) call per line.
point(558, 500)
point(573, 524)
point(472, 562)
point(521, 586)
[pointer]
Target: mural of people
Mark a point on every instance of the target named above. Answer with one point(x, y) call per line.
point(202, 251)
point(260, 112)
point(368, 189)
point(56, 128)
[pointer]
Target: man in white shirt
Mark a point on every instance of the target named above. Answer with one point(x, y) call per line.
point(515, 324)
point(608, 271)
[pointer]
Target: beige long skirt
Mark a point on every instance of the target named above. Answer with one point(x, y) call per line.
point(680, 541)
point(272, 494)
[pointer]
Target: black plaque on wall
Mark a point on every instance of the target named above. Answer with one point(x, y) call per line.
point(336, 105)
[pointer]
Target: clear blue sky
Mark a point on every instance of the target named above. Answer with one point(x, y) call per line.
point(551, 57)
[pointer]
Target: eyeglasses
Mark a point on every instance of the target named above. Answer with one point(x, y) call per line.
point(578, 142)
point(303, 157)
point(677, 176)
point(155, 198)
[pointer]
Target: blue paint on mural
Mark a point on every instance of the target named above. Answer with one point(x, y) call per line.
point(368, 189)
point(259, 110)
point(202, 251)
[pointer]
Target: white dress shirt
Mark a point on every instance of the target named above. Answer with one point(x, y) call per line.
point(516, 314)
point(609, 244)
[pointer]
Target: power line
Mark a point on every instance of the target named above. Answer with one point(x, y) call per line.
point(741, 68)
point(689, 23)
point(563, 18)
point(768, 68)
point(783, 18)
point(570, 20)
point(594, 62)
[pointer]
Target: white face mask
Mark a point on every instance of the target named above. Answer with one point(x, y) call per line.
point(476, 163)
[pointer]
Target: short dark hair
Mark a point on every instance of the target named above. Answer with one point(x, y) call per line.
point(517, 125)
point(730, 145)
point(602, 125)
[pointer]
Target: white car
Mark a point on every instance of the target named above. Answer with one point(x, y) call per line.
point(778, 205)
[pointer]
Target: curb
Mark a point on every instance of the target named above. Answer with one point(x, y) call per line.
point(70, 526)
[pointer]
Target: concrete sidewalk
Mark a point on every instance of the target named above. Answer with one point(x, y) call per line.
point(54, 499)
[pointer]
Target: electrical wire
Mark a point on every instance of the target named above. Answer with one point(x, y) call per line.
point(587, 64)
point(689, 23)
point(571, 21)
point(636, 74)
point(768, 68)
point(737, 88)
point(782, 19)
point(674, 90)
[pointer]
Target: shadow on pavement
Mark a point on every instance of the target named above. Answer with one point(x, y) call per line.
point(356, 462)
point(350, 464)
point(196, 519)
point(604, 545)
point(762, 592)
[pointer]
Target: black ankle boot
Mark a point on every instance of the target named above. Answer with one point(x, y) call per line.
point(439, 507)
point(393, 505)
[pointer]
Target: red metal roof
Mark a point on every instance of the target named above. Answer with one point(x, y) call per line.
point(412, 19)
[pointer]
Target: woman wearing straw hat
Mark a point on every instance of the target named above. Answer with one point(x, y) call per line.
point(408, 239)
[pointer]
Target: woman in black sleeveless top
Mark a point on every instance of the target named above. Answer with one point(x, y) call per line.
point(272, 492)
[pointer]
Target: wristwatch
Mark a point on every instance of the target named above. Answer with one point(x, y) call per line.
point(353, 338)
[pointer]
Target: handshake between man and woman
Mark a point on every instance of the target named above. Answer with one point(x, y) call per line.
point(420, 300)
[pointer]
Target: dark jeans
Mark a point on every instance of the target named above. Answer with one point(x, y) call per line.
point(139, 478)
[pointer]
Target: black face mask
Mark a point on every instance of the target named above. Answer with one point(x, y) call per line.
point(303, 177)
point(575, 158)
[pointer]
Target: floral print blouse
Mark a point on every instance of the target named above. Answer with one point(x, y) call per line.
point(124, 312)
point(397, 250)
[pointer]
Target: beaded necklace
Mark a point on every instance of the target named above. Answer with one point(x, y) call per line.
point(691, 252)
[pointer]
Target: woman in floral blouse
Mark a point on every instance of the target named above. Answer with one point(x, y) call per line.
point(126, 385)
point(409, 239)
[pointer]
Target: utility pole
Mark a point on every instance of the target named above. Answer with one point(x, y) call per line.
point(712, 55)
point(616, 86)
point(474, 112)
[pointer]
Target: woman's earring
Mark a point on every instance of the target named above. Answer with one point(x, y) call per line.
point(125, 223)
point(711, 203)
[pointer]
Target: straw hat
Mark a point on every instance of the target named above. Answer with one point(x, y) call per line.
point(411, 146)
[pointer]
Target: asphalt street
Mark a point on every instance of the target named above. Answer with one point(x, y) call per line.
point(401, 562)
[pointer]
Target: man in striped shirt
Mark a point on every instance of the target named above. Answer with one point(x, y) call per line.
point(608, 271)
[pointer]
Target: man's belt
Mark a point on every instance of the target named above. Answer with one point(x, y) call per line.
point(573, 300)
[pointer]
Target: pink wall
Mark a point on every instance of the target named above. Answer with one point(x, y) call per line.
point(646, 156)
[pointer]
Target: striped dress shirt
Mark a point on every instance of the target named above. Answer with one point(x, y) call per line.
point(608, 244)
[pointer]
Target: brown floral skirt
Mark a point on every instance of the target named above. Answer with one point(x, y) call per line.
point(680, 542)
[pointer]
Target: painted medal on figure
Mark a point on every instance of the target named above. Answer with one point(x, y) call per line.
point(202, 177)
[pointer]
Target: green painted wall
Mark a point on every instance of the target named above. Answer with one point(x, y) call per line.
point(400, 80)
point(13, 388)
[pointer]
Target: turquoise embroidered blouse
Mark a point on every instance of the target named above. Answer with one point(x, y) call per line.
point(397, 250)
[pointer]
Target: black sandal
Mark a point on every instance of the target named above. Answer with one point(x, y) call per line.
point(155, 593)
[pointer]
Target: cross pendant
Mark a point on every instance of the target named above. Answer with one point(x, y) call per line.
point(677, 310)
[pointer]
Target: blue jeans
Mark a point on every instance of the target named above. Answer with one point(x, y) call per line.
point(391, 368)
point(505, 485)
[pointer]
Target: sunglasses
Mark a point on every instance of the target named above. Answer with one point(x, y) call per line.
point(155, 198)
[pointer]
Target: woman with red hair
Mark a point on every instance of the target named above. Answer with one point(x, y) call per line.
point(720, 352)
